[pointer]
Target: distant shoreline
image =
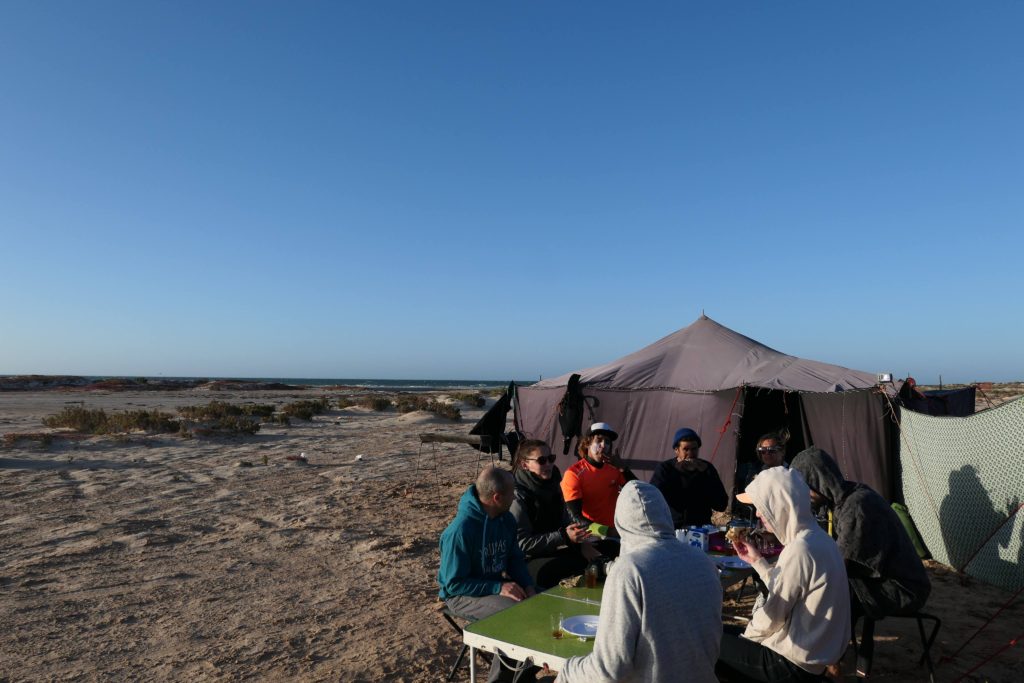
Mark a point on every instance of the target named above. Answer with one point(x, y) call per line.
point(122, 383)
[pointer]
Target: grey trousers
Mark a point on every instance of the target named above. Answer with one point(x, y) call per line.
point(476, 608)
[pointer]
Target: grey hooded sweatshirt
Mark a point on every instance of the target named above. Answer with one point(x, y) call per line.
point(885, 571)
point(661, 610)
point(806, 616)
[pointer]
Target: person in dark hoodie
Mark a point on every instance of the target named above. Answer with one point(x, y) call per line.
point(482, 568)
point(886, 575)
point(691, 486)
point(555, 547)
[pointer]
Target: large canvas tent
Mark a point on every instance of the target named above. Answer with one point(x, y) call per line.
point(731, 389)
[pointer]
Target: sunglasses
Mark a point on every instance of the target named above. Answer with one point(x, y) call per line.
point(765, 450)
point(542, 460)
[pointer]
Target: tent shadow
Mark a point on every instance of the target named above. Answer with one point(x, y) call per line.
point(76, 464)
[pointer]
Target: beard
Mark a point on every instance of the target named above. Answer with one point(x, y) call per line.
point(691, 465)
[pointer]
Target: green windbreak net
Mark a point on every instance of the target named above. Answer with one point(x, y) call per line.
point(963, 482)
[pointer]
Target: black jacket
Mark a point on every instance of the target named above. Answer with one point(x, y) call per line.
point(871, 537)
point(691, 492)
point(540, 513)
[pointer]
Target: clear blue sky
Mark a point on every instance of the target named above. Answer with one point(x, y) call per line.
point(493, 190)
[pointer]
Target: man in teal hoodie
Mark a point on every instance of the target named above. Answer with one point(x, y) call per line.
point(483, 571)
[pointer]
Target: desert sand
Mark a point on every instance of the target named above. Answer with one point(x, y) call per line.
point(155, 557)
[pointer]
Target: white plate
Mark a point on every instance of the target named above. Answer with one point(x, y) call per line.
point(583, 626)
point(730, 562)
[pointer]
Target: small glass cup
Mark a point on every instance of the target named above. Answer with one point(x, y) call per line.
point(556, 626)
point(590, 575)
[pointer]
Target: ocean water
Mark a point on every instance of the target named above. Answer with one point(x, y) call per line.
point(390, 384)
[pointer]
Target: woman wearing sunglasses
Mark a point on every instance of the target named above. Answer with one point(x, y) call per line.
point(555, 548)
point(771, 452)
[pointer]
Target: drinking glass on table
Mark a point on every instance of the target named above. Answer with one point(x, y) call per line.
point(556, 626)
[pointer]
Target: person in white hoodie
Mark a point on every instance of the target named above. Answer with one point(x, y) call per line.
point(661, 609)
point(803, 625)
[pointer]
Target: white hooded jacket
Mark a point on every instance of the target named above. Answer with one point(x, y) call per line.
point(661, 610)
point(806, 616)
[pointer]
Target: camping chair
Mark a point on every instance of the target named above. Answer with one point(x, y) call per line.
point(434, 438)
point(450, 617)
point(865, 649)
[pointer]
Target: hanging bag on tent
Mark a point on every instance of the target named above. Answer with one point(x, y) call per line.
point(491, 427)
point(570, 412)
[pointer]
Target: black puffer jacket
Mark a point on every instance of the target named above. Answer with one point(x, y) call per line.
point(539, 510)
point(869, 534)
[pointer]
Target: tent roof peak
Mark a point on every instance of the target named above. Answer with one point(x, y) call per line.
point(708, 356)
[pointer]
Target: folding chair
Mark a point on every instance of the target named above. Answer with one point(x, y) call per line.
point(865, 649)
point(450, 617)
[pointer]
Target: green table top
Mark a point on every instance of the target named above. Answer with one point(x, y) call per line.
point(524, 630)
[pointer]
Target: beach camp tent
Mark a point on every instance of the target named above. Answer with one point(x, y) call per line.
point(730, 389)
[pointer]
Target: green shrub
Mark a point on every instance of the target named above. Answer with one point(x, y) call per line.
point(406, 403)
point(98, 422)
point(258, 409)
point(378, 403)
point(345, 402)
point(145, 420)
point(474, 399)
point(443, 409)
point(80, 419)
point(305, 410)
point(237, 424)
point(214, 410)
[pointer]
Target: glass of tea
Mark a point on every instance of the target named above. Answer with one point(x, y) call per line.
point(556, 626)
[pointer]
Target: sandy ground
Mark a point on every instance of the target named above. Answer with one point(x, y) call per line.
point(159, 558)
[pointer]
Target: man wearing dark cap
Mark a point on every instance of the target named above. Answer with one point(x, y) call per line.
point(691, 486)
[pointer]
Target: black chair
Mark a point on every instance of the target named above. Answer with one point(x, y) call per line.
point(450, 617)
point(865, 649)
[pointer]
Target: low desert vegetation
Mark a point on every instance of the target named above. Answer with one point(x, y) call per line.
point(442, 409)
point(215, 410)
point(228, 425)
point(474, 398)
point(98, 421)
point(378, 403)
point(407, 403)
point(305, 410)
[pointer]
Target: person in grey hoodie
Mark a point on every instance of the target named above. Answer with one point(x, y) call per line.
point(803, 625)
point(661, 609)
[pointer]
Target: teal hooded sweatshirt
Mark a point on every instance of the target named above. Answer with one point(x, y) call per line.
point(476, 551)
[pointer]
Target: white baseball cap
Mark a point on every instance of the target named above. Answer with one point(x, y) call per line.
point(604, 428)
